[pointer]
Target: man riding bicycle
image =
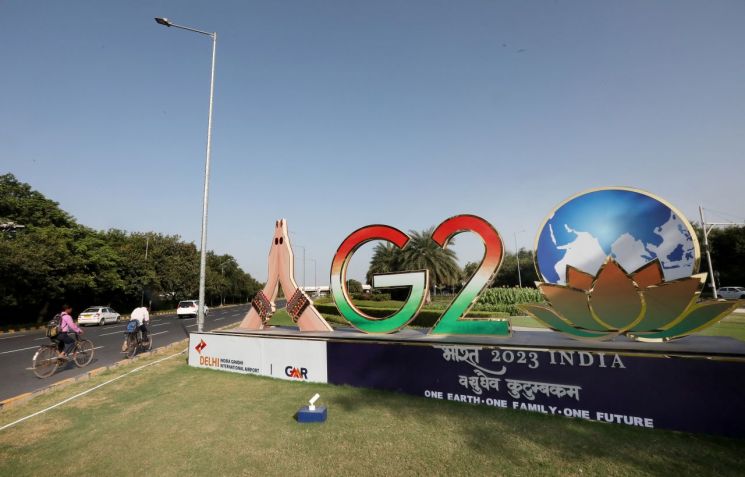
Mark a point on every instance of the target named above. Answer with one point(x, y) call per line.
point(142, 316)
point(67, 328)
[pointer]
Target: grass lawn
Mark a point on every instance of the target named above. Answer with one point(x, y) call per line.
point(173, 420)
point(732, 325)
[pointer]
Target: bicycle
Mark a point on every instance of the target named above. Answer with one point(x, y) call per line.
point(135, 343)
point(46, 360)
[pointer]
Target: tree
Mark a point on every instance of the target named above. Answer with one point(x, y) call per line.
point(353, 286)
point(423, 253)
point(727, 246)
point(386, 259)
point(25, 206)
point(469, 270)
point(54, 260)
point(508, 276)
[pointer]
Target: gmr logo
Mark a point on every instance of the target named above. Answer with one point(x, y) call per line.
point(297, 373)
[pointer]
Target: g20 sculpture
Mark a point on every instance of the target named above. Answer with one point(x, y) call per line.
point(613, 261)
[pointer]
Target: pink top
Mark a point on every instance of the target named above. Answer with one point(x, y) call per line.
point(68, 324)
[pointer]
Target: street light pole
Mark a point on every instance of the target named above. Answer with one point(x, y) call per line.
point(517, 257)
point(315, 276)
point(301, 246)
point(222, 272)
point(203, 247)
point(707, 227)
point(708, 253)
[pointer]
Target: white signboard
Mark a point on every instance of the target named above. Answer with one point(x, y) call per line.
point(295, 360)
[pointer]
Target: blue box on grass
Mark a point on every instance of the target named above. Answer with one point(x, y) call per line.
point(304, 414)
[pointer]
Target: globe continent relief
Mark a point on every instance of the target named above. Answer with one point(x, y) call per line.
point(629, 225)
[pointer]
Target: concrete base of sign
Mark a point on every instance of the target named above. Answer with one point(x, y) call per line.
point(695, 384)
point(305, 414)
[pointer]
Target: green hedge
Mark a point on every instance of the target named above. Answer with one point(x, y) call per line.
point(509, 296)
point(425, 318)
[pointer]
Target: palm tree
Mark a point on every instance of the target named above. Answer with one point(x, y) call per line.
point(423, 253)
point(385, 259)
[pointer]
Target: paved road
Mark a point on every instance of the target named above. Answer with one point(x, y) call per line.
point(17, 349)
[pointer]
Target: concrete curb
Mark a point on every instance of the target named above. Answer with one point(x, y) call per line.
point(9, 331)
point(21, 398)
point(25, 397)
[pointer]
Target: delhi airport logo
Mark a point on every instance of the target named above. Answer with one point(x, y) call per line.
point(619, 261)
point(199, 347)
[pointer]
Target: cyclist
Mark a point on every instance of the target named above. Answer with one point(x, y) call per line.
point(67, 328)
point(142, 316)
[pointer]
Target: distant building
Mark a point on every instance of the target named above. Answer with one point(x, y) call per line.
point(326, 290)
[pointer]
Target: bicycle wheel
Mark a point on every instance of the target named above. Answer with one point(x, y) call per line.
point(83, 353)
point(148, 345)
point(45, 361)
point(131, 345)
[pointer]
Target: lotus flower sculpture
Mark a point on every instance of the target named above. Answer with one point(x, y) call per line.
point(640, 305)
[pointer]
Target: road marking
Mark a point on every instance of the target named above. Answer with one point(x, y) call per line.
point(221, 318)
point(87, 391)
point(16, 350)
point(42, 338)
point(11, 337)
point(189, 326)
point(118, 326)
point(158, 333)
point(161, 324)
point(113, 333)
point(95, 347)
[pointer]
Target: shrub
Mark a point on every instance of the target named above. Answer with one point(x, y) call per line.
point(509, 296)
point(354, 286)
point(425, 318)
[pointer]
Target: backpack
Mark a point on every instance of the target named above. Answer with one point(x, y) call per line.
point(132, 326)
point(53, 327)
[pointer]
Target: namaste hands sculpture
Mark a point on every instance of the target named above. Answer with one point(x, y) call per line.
point(282, 272)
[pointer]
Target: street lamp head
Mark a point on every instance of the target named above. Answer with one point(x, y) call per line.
point(162, 21)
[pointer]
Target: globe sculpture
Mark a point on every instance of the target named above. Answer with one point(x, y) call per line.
point(621, 261)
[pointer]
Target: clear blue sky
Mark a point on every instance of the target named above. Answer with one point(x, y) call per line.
point(338, 114)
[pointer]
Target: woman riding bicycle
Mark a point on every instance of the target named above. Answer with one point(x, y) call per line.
point(67, 326)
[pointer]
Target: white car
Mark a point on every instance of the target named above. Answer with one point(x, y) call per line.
point(98, 315)
point(731, 293)
point(190, 308)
